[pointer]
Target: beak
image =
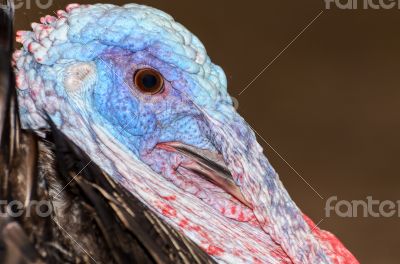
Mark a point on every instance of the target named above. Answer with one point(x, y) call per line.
point(208, 165)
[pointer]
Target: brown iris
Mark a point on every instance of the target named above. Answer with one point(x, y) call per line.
point(148, 81)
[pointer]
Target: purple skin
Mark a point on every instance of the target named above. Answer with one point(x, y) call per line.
point(79, 70)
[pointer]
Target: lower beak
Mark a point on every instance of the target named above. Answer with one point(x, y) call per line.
point(209, 165)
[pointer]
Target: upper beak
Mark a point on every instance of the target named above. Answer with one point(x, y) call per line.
point(209, 165)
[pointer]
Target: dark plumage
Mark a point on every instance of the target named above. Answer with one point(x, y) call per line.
point(127, 134)
point(111, 225)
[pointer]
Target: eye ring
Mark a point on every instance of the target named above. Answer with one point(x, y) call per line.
point(148, 81)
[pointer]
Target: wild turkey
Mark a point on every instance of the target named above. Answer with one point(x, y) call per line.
point(125, 130)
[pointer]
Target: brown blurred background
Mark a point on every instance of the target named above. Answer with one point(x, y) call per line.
point(329, 104)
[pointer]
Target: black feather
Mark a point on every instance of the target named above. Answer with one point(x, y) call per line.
point(93, 218)
point(7, 88)
point(131, 232)
point(15, 247)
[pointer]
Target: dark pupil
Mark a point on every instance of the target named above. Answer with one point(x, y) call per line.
point(149, 81)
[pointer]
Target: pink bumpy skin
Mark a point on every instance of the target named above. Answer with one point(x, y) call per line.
point(76, 69)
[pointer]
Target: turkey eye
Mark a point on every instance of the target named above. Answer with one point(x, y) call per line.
point(149, 81)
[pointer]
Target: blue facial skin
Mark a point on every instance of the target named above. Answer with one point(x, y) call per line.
point(194, 108)
point(143, 120)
